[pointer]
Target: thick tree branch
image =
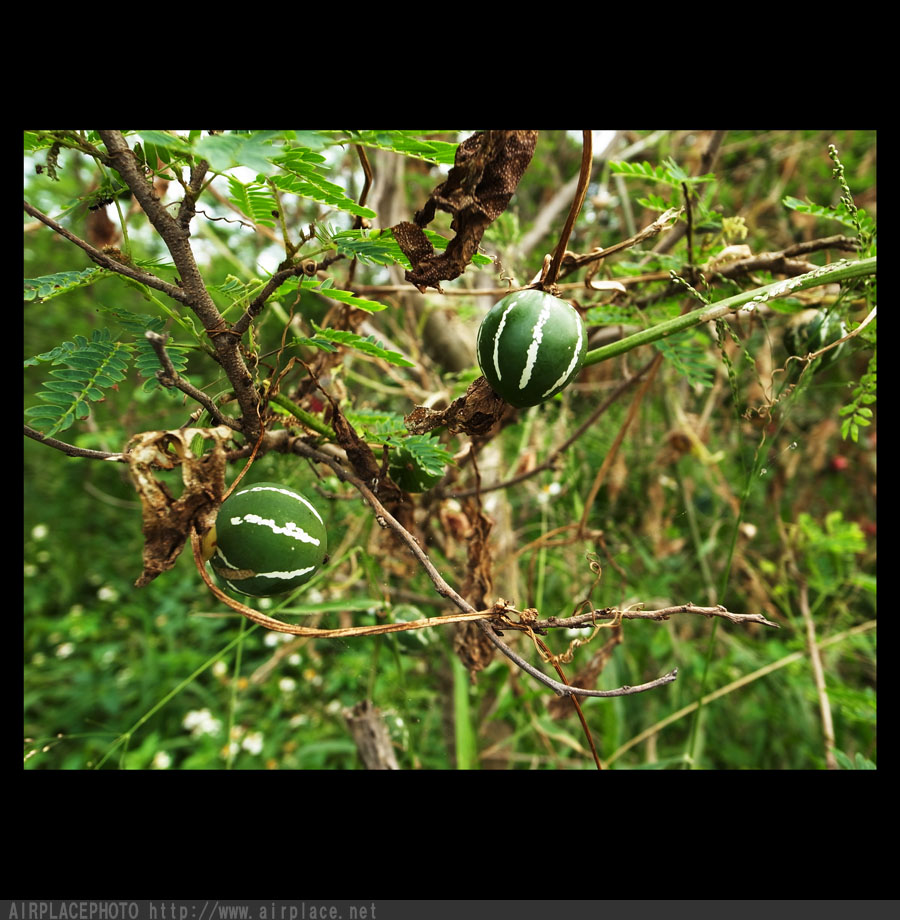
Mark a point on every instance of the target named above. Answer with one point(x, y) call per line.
point(176, 235)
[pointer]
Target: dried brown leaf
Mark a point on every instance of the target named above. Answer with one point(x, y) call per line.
point(168, 521)
point(474, 413)
point(486, 171)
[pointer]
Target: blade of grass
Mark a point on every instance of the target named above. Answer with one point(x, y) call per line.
point(466, 747)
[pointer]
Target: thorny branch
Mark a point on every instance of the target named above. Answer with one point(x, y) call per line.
point(385, 519)
point(583, 619)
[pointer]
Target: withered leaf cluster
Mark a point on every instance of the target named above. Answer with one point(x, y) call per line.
point(168, 521)
point(475, 412)
point(474, 649)
point(486, 171)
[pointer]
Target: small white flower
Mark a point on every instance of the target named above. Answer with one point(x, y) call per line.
point(64, 650)
point(201, 722)
point(39, 531)
point(253, 742)
point(287, 684)
point(162, 760)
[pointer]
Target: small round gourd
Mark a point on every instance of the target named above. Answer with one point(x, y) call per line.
point(811, 330)
point(268, 540)
point(530, 346)
point(411, 640)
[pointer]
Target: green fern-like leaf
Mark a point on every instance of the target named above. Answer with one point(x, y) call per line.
point(380, 247)
point(47, 286)
point(146, 361)
point(254, 200)
point(371, 247)
point(91, 367)
point(841, 215)
point(166, 140)
point(639, 171)
point(409, 144)
point(326, 290)
point(689, 354)
point(253, 149)
point(426, 452)
point(302, 176)
point(858, 413)
point(377, 426)
point(669, 173)
point(367, 345)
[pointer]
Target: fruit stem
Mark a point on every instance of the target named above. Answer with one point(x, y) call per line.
point(549, 280)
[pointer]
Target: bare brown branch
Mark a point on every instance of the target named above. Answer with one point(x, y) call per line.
point(106, 261)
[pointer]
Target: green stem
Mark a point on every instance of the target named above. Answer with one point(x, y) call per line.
point(308, 419)
point(232, 704)
point(839, 271)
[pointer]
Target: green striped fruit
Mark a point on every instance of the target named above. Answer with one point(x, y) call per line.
point(530, 346)
point(269, 539)
point(811, 330)
point(411, 640)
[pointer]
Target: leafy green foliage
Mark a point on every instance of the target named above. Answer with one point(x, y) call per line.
point(858, 413)
point(668, 172)
point(91, 366)
point(291, 167)
point(828, 550)
point(146, 360)
point(371, 247)
point(378, 247)
point(689, 353)
point(47, 286)
point(254, 200)
point(859, 762)
point(377, 426)
point(329, 339)
point(841, 215)
point(157, 678)
point(407, 143)
point(301, 174)
point(327, 289)
point(426, 452)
